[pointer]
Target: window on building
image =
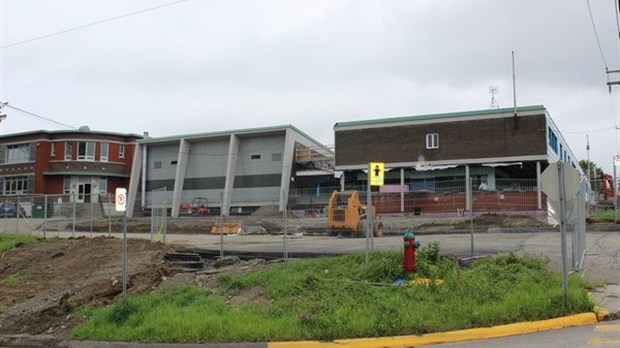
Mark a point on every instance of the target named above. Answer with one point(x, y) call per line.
point(86, 150)
point(432, 141)
point(53, 149)
point(19, 153)
point(173, 163)
point(66, 185)
point(68, 150)
point(18, 185)
point(103, 185)
point(157, 165)
point(121, 151)
point(104, 152)
point(255, 157)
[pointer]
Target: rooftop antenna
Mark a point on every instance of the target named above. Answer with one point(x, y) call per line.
point(494, 90)
point(514, 91)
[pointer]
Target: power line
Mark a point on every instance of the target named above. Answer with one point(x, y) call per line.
point(39, 117)
point(592, 131)
point(616, 10)
point(600, 49)
point(91, 24)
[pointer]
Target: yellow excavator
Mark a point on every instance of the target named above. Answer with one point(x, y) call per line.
point(346, 216)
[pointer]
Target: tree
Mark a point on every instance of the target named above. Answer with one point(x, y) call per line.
point(594, 175)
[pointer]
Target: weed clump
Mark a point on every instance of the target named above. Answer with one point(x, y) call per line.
point(344, 297)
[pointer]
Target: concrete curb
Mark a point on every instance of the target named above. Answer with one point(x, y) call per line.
point(379, 342)
point(452, 336)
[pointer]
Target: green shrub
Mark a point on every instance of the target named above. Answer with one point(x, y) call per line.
point(343, 297)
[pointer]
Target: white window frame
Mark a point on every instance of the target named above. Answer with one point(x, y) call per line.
point(17, 185)
point(104, 152)
point(121, 150)
point(68, 150)
point(66, 185)
point(103, 185)
point(52, 149)
point(18, 153)
point(432, 141)
point(88, 148)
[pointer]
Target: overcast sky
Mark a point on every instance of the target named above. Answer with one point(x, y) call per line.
point(199, 66)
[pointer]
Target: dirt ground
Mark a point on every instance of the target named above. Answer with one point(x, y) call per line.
point(42, 283)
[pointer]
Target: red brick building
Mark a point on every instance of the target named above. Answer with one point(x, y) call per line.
point(81, 163)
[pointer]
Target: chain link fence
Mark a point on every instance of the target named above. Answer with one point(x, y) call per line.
point(59, 213)
point(424, 208)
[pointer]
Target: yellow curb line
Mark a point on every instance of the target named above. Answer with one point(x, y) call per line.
point(450, 337)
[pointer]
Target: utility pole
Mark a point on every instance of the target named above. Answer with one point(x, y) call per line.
point(609, 84)
point(589, 171)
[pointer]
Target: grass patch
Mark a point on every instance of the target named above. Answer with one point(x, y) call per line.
point(602, 216)
point(16, 279)
point(12, 241)
point(342, 297)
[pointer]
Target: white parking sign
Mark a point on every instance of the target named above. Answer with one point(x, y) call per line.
point(121, 199)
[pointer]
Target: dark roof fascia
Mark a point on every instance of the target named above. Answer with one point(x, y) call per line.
point(60, 132)
point(78, 173)
point(486, 112)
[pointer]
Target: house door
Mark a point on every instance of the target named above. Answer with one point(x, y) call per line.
point(83, 195)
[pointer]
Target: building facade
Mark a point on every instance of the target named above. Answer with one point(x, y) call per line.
point(488, 149)
point(81, 164)
point(235, 171)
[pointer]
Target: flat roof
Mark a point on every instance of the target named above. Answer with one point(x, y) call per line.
point(439, 116)
point(227, 133)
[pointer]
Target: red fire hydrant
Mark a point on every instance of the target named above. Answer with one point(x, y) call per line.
point(410, 250)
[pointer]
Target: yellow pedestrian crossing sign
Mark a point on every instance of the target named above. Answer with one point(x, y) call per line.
point(376, 172)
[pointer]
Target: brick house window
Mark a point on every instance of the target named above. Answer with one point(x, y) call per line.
point(104, 152)
point(86, 150)
point(432, 141)
point(121, 151)
point(68, 150)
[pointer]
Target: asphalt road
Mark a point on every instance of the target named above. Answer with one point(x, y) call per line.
point(605, 334)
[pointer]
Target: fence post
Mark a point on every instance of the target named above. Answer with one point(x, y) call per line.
point(45, 216)
point(17, 214)
point(221, 224)
point(73, 218)
point(165, 220)
point(471, 217)
point(285, 234)
point(91, 215)
point(109, 215)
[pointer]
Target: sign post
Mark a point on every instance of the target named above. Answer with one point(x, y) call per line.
point(376, 172)
point(560, 182)
point(121, 206)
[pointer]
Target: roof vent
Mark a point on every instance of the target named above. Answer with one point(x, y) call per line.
point(84, 129)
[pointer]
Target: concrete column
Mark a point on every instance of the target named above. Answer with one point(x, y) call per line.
point(134, 179)
point(179, 176)
point(468, 193)
point(288, 157)
point(231, 169)
point(342, 179)
point(402, 190)
point(538, 186)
